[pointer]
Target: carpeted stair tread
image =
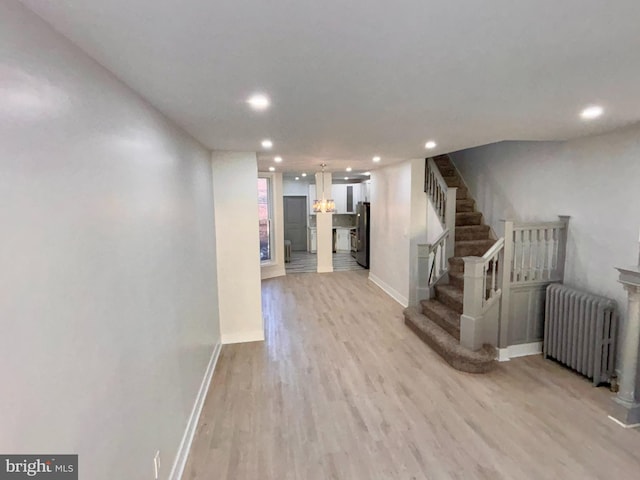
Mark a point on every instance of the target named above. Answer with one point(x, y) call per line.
point(456, 264)
point(447, 346)
point(472, 232)
point(446, 318)
point(472, 248)
point(465, 205)
point(468, 218)
point(461, 193)
point(451, 296)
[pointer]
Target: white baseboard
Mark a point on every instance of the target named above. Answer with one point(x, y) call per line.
point(243, 337)
point(272, 271)
point(192, 423)
point(325, 269)
point(389, 290)
point(522, 350)
point(622, 424)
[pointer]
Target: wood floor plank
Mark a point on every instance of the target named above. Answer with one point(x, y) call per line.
point(341, 389)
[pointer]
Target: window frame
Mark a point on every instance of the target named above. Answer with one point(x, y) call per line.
point(269, 177)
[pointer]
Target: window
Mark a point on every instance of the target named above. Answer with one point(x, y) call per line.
point(264, 218)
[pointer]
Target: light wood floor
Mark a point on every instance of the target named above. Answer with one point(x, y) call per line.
point(341, 389)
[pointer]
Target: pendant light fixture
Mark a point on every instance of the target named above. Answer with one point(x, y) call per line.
point(323, 205)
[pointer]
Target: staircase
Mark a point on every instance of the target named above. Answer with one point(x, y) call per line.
point(437, 321)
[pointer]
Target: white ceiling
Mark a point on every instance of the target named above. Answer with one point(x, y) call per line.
point(357, 78)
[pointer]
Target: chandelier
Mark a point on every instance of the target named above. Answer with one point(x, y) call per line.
point(324, 205)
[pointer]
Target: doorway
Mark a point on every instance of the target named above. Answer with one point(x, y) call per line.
point(295, 222)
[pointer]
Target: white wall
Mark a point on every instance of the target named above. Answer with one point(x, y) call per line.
point(391, 230)
point(418, 228)
point(595, 180)
point(295, 188)
point(108, 276)
point(235, 193)
point(275, 268)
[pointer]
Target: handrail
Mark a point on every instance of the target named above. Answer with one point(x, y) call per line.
point(438, 258)
point(496, 247)
point(443, 200)
point(535, 252)
point(438, 240)
point(481, 283)
point(482, 292)
point(436, 173)
point(537, 225)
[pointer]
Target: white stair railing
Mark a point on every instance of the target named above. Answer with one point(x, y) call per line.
point(534, 257)
point(434, 257)
point(479, 322)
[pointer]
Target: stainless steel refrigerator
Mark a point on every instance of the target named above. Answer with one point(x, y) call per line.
point(363, 212)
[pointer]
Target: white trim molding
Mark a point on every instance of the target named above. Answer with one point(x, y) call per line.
point(243, 337)
point(272, 270)
point(389, 290)
point(622, 424)
point(521, 350)
point(187, 438)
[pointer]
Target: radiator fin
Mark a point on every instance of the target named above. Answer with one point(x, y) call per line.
point(580, 331)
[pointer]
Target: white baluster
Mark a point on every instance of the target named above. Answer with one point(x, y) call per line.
point(495, 275)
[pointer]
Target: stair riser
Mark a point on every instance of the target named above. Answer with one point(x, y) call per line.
point(441, 322)
point(457, 281)
point(464, 207)
point(461, 193)
point(464, 219)
point(450, 302)
point(471, 250)
point(479, 235)
point(456, 267)
point(457, 361)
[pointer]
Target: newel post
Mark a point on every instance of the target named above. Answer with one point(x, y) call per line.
point(423, 290)
point(505, 284)
point(450, 220)
point(470, 321)
point(627, 402)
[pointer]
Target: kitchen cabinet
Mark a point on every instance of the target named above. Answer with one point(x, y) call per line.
point(347, 196)
point(365, 191)
point(343, 239)
point(339, 195)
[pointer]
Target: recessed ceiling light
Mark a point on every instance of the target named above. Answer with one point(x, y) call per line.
point(297, 178)
point(303, 174)
point(277, 159)
point(259, 101)
point(591, 112)
point(346, 178)
point(368, 174)
point(266, 143)
point(348, 169)
point(376, 159)
point(430, 144)
point(272, 169)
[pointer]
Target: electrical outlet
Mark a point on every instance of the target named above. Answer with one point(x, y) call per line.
point(156, 464)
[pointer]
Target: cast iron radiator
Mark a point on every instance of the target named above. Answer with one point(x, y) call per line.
point(580, 331)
